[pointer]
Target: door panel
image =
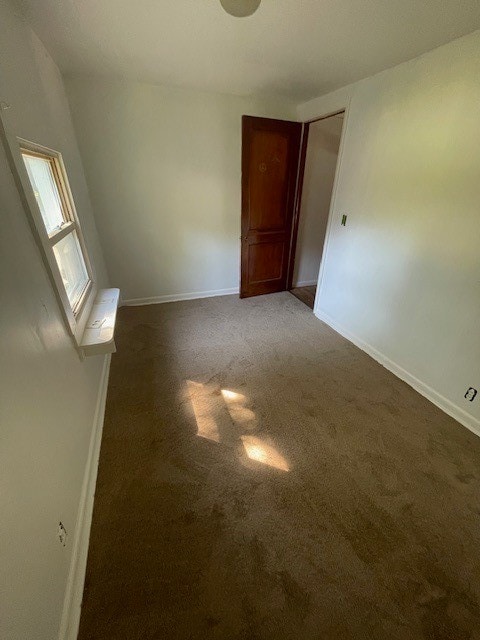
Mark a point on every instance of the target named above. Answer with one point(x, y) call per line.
point(267, 178)
point(270, 150)
point(265, 260)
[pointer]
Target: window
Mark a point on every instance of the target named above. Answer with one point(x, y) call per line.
point(58, 227)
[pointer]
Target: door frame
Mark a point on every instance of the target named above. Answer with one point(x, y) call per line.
point(298, 202)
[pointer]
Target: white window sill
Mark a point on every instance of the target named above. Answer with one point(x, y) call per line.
point(98, 335)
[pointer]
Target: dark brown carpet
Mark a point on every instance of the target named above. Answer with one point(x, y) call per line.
point(261, 478)
point(305, 294)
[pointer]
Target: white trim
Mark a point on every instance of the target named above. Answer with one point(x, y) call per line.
point(456, 412)
point(74, 318)
point(177, 297)
point(74, 314)
point(98, 337)
point(306, 283)
point(331, 216)
point(78, 563)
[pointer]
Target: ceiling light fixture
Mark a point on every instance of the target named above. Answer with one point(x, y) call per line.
point(240, 8)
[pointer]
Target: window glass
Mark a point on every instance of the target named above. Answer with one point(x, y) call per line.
point(46, 192)
point(64, 245)
point(72, 267)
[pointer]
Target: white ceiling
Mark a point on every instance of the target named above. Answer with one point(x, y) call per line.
point(295, 48)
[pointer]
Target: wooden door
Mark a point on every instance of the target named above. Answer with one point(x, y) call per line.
point(270, 151)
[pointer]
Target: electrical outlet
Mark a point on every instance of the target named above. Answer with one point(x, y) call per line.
point(62, 534)
point(344, 220)
point(470, 394)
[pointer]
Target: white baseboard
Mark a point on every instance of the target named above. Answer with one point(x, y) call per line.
point(469, 421)
point(177, 297)
point(78, 564)
point(305, 283)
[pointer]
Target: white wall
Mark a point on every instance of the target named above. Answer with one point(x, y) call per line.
point(320, 167)
point(47, 396)
point(163, 168)
point(403, 277)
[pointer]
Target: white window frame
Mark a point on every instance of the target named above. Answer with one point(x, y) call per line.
point(75, 318)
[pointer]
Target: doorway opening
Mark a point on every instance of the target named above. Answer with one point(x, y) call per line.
point(288, 174)
point(318, 166)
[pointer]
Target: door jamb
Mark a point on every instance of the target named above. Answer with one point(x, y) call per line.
point(298, 201)
point(329, 115)
point(328, 233)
